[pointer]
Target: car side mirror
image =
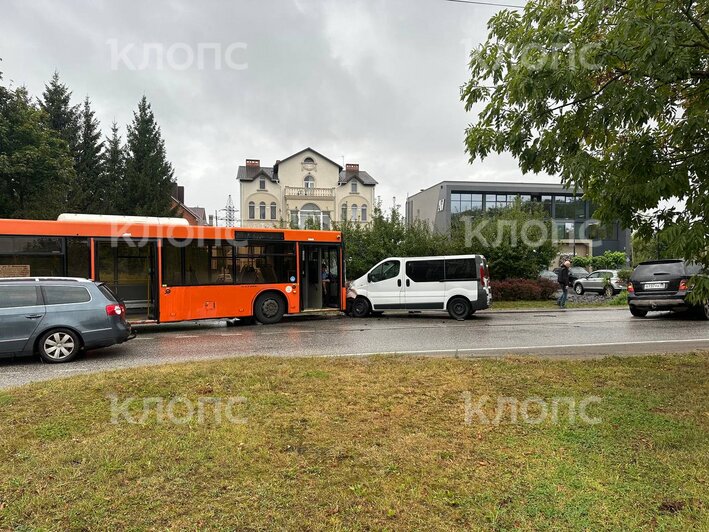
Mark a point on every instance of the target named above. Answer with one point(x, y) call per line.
point(370, 278)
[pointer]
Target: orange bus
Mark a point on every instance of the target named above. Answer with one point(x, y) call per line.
point(166, 271)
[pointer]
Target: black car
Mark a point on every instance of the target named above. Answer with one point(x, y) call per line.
point(662, 285)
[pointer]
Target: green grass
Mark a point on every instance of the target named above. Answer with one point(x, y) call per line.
point(366, 443)
point(547, 304)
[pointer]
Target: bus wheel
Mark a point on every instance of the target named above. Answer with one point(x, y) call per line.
point(360, 308)
point(269, 308)
point(458, 308)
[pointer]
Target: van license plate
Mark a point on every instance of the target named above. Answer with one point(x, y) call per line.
point(654, 286)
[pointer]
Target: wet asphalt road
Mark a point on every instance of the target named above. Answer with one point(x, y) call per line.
point(573, 333)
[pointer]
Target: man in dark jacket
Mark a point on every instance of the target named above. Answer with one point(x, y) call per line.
point(563, 279)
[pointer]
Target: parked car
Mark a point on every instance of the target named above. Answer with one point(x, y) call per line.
point(459, 284)
point(59, 317)
point(662, 285)
point(575, 273)
point(604, 282)
point(549, 275)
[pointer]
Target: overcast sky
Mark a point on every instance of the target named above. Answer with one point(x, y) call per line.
point(373, 82)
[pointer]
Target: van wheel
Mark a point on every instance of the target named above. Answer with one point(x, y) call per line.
point(459, 308)
point(578, 289)
point(638, 313)
point(360, 308)
point(269, 308)
point(59, 345)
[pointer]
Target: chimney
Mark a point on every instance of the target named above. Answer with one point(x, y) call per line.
point(181, 194)
point(352, 167)
point(253, 163)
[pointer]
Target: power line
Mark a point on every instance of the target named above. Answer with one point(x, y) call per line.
point(485, 3)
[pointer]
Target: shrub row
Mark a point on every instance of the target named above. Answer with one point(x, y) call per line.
point(523, 289)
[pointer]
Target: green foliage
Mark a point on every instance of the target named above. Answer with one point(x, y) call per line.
point(497, 234)
point(90, 190)
point(610, 260)
point(35, 164)
point(148, 181)
point(114, 168)
point(654, 247)
point(60, 115)
point(516, 240)
point(611, 96)
point(624, 275)
point(620, 300)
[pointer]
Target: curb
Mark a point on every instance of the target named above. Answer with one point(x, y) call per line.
point(549, 310)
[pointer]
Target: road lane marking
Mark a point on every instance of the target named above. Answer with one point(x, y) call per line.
point(231, 334)
point(187, 336)
point(485, 349)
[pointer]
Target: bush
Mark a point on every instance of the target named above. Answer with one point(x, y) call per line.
point(621, 299)
point(523, 289)
point(624, 275)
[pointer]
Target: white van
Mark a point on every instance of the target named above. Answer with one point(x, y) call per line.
point(459, 284)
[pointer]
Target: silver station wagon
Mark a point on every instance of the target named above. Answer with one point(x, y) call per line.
point(58, 317)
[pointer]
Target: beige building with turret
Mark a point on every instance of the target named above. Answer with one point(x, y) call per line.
point(304, 190)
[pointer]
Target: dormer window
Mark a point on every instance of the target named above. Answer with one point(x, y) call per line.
point(262, 183)
point(353, 187)
point(309, 164)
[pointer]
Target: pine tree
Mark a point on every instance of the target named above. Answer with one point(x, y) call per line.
point(113, 176)
point(148, 182)
point(61, 116)
point(89, 192)
point(35, 165)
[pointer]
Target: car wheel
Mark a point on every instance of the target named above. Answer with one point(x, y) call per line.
point(360, 308)
point(459, 308)
point(608, 291)
point(638, 313)
point(269, 308)
point(578, 288)
point(704, 310)
point(59, 345)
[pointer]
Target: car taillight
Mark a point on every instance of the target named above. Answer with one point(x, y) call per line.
point(115, 310)
point(683, 285)
point(630, 287)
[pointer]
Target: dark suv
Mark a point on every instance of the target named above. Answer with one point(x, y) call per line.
point(662, 285)
point(58, 317)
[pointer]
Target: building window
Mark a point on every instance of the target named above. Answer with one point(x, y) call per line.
point(309, 182)
point(353, 186)
point(569, 207)
point(463, 202)
point(262, 183)
point(252, 210)
point(262, 210)
point(308, 160)
point(354, 212)
point(273, 210)
point(364, 213)
point(344, 212)
point(546, 203)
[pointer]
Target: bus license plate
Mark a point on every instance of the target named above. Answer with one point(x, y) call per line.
point(654, 286)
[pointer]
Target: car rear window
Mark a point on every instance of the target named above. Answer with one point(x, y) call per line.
point(106, 291)
point(660, 269)
point(18, 296)
point(65, 295)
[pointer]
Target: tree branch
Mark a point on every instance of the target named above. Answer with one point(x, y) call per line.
point(694, 21)
point(592, 95)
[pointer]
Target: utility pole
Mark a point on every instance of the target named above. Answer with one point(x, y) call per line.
point(227, 214)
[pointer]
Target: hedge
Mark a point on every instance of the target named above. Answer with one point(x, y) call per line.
point(523, 289)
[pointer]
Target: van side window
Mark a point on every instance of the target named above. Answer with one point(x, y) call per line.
point(386, 270)
point(461, 270)
point(18, 296)
point(64, 295)
point(425, 271)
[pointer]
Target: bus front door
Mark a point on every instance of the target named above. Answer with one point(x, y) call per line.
point(129, 269)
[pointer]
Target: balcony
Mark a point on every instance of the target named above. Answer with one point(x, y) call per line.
point(304, 192)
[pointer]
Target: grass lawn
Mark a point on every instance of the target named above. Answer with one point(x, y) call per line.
point(364, 443)
point(548, 304)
